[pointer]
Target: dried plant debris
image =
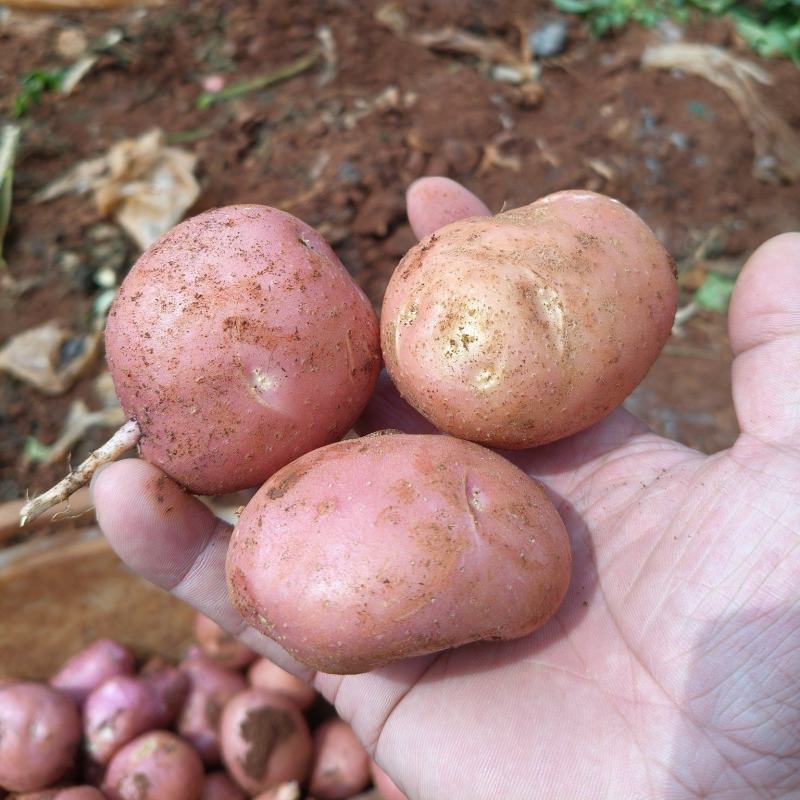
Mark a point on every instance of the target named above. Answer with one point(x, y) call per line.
point(49, 357)
point(776, 143)
point(502, 62)
point(144, 183)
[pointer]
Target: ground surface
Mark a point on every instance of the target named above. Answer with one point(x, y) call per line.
point(340, 156)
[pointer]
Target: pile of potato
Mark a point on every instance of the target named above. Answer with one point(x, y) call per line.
point(223, 724)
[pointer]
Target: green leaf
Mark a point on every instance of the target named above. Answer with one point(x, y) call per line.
point(715, 293)
point(35, 452)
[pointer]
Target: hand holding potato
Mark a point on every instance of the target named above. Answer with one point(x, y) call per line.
point(674, 654)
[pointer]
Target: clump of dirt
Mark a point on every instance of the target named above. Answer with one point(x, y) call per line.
point(264, 729)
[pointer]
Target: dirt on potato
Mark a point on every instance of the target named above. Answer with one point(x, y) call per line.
point(338, 143)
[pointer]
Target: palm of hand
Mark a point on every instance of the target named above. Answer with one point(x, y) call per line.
point(672, 668)
point(669, 668)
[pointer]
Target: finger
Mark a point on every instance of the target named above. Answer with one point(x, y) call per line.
point(386, 409)
point(171, 539)
point(435, 202)
point(764, 328)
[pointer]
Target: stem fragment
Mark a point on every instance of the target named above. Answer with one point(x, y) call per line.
point(125, 438)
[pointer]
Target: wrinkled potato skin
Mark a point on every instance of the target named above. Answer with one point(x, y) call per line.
point(238, 341)
point(40, 729)
point(265, 740)
point(375, 549)
point(520, 329)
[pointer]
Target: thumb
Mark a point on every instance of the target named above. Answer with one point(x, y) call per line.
point(435, 202)
point(764, 328)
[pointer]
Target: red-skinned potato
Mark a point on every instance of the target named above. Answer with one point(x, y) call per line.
point(522, 328)
point(211, 686)
point(40, 729)
point(67, 793)
point(237, 342)
point(116, 712)
point(264, 674)
point(265, 740)
point(86, 670)
point(170, 685)
point(385, 785)
point(155, 766)
point(219, 786)
point(220, 646)
point(341, 765)
point(376, 549)
point(125, 706)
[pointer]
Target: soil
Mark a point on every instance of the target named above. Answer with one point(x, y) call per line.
point(340, 155)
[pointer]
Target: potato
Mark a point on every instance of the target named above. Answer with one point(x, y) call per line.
point(171, 687)
point(376, 549)
point(218, 645)
point(66, 793)
point(39, 733)
point(219, 786)
point(385, 785)
point(238, 341)
point(265, 740)
point(85, 671)
point(264, 674)
point(125, 706)
point(212, 686)
point(341, 764)
point(117, 712)
point(156, 766)
point(520, 329)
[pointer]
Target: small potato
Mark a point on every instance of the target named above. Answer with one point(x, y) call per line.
point(67, 793)
point(220, 646)
point(219, 786)
point(171, 686)
point(211, 686)
point(522, 328)
point(237, 342)
point(156, 766)
point(385, 785)
point(86, 670)
point(341, 765)
point(390, 546)
point(264, 674)
point(39, 733)
point(118, 711)
point(265, 740)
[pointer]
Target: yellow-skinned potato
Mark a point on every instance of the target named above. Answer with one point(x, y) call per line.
point(522, 328)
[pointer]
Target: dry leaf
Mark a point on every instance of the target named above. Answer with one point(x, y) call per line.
point(35, 357)
point(454, 40)
point(79, 420)
point(146, 185)
point(776, 143)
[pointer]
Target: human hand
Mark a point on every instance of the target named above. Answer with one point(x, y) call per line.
point(672, 669)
